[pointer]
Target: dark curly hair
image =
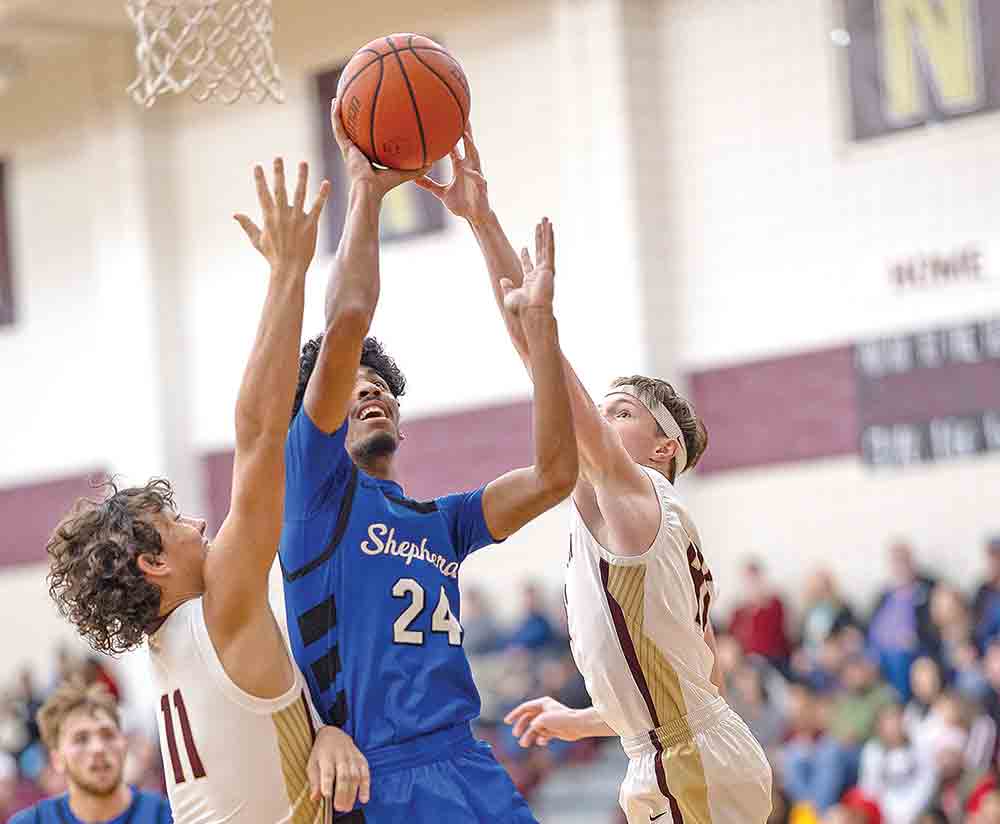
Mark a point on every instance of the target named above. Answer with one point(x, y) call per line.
point(94, 577)
point(373, 355)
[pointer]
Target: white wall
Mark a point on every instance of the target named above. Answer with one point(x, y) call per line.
point(782, 228)
point(780, 232)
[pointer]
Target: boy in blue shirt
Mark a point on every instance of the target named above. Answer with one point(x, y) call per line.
point(371, 575)
point(82, 731)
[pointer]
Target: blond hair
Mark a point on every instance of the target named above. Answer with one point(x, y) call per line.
point(70, 697)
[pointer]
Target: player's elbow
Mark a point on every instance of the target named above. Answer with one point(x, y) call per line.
point(352, 318)
point(557, 480)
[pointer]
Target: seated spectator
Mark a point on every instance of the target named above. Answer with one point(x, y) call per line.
point(822, 670)
point(759, 622)
point(952, 621)
point(954, 723)
point(968, 675)
point(857, 706)
point(815, 768)
point(986, 603)
point(534, 629)
point(991, 671)
point(901, 629)
point(752, 703)
point(925, 687)
point(480, 632)
point(894, 772)
point(825, 613)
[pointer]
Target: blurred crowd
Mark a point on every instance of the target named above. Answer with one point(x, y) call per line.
point(25, 773)
point(885, 715)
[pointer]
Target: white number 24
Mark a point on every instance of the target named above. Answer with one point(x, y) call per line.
point(441, 621)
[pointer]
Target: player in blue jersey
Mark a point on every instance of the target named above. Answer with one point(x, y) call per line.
point(82, 731)
point(371, 576)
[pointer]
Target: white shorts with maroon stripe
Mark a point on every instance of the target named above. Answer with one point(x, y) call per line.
point(705, 768)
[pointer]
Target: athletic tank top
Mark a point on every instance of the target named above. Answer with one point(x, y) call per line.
point(637, 624)
point(227, 755)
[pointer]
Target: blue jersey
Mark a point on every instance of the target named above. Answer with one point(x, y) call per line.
point(146, 808)
point(371, 593)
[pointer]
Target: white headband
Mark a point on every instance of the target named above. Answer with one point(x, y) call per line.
point(663, 418)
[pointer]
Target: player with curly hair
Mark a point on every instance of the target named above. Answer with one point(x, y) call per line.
point(371, 575)
point(238, 739)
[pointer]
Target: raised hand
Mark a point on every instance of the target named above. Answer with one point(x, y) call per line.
point(466, 196)
point(359, 168)
point(538, 286)
point(288, 239)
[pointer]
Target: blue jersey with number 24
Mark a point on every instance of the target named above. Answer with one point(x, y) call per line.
point(371, 593)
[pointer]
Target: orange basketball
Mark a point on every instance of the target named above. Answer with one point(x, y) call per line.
point(404, 101)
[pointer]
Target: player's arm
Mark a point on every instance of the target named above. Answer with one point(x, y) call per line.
point(353, 287)
point(519, 496)
point(540, 720)
point(622, 489)
point(601, 453)
point(236, 570)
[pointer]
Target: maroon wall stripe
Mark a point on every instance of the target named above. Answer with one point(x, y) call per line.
point(440, 454)
point(793, 408)
point(922, 394)
point(29, 513)
point(628, 648)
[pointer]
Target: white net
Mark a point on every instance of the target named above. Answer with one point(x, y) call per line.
point(214, 49)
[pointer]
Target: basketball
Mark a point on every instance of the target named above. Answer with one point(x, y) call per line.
point(404, 101)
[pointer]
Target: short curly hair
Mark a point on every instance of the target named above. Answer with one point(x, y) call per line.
point(72, 695)
point(373, 355)
point(94, 576)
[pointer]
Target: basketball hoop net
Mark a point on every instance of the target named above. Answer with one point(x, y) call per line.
point(216, 49)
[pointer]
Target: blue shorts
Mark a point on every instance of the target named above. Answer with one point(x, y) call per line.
point(447, 777)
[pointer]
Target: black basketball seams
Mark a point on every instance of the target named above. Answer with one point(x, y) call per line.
point(378, 88)
point(446, 84)
point(361, 71)
point(413, 99)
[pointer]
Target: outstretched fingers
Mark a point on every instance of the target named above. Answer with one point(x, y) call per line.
point(280, 194)
point(300, 187)
point(263, 193)
point(320, 202)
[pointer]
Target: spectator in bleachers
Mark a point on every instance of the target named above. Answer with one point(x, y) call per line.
point(480, 632)
point(953, 626)
point(749, 697)
point(825, 613)
point(986, 603)
point(534, 630)
point(812, 762)
point(901, 629)
point(925, 688)
point(968, 674)
point(82, 731)
point(758, 623)
point(857, 706)
point(894, 772)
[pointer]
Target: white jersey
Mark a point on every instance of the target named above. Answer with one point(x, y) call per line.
point(637, 623)
point(227, 755)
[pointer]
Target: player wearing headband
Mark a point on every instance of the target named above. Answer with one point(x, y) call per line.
point(638, 588)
